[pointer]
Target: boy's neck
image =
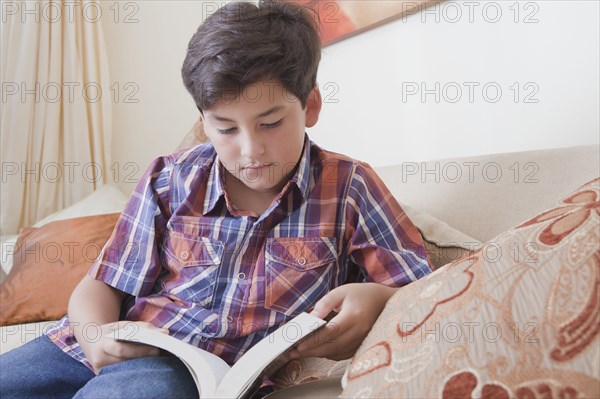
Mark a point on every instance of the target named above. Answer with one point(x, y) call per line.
point(247, 199)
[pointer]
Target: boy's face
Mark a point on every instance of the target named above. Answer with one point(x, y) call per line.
point(259, 135)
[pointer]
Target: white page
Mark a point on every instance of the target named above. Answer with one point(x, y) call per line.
point(207, 369)
point(250, 366)
point(213, 376)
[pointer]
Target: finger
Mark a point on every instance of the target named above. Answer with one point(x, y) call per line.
point(331, 301)
point(335, 354)
point(130, 350)
point(107, 360)
point(309, 343)
point(294, 354)
point(337, 350)
point(333, 330)
point(341, 347)
point(331, 337)
point(340, 336)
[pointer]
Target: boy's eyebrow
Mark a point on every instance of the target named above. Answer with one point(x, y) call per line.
point(261, 115)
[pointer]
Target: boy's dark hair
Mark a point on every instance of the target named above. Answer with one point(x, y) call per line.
point(242, 43)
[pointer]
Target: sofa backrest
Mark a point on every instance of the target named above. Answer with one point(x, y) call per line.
point(485, 195)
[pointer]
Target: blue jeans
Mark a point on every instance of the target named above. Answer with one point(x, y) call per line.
point(40, 369)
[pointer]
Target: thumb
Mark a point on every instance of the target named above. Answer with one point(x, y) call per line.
point(331, 301)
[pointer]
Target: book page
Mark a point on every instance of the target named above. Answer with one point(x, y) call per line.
point(207, 369)
point(246, 370)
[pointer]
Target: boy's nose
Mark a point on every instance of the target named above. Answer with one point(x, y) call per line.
point(252, 146)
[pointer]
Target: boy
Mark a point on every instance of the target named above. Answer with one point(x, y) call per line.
point(222, 243)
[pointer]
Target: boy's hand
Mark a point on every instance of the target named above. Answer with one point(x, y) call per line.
point(357, 307)
point(106, 351)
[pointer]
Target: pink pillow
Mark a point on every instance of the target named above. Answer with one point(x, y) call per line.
point(518, 318)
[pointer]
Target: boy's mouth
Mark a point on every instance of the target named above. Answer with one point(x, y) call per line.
point(257, 166)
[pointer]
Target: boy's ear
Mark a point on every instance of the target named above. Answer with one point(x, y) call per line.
point(313, 107)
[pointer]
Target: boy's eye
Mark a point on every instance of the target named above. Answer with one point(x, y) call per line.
point(272, 125)
point(266, 125)
point(226, 131)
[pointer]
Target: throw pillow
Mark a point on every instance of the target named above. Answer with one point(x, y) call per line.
point(518, 318)
point(47, 265)
point(296, 372)
point(444, 244)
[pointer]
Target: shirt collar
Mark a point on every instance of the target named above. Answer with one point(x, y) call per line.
point(215, 183)
point(302, 175)
point(214, 186)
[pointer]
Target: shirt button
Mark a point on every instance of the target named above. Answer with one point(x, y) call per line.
point(185, 255)
point(203, 338)
point(242, 276)
point(230, 319)
point(301, 261)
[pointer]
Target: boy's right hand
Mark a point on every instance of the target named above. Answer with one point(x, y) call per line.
point(105, 351)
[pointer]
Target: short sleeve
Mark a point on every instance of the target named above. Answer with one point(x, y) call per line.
point(382, 241)
point(130, 259)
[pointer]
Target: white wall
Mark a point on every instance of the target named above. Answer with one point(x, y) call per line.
point(368, 75)
point(149, 54)
point(559, 54)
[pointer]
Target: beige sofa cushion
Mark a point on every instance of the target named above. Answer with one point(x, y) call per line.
point(485, 195)
point(520, 318)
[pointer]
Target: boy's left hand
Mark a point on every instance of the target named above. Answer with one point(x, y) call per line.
point(357, 306)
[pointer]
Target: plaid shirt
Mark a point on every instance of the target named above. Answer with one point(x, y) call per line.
point(222, 279)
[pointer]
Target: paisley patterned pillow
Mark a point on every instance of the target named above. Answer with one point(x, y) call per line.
point(518, 318)
point(297, 372)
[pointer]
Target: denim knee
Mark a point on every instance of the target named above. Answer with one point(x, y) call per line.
point(145, 377)
point(41, 369)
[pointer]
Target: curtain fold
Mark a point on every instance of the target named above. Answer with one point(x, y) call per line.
point(56, 109)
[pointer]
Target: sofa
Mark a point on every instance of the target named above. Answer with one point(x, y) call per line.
point(514, 239)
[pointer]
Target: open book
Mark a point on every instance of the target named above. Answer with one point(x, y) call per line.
point(213, 376)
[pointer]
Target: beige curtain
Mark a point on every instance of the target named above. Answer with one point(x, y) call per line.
point(56, 108)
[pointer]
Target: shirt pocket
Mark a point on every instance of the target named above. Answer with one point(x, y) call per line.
point(298, 272)
point(193, 264)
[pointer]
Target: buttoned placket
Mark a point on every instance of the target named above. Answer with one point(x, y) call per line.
point(242, 275)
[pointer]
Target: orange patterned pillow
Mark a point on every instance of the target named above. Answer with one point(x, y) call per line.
point(519, 318)
point(48, 263)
